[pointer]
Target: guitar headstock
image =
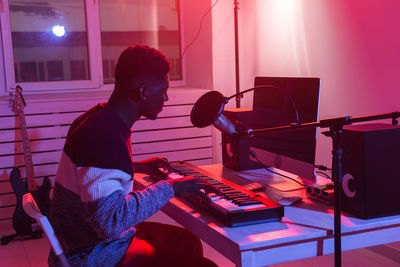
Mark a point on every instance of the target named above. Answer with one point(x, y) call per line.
point(17, 100)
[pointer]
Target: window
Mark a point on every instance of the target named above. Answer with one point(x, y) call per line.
point(151, 22)
point(46, 37)
point(61, 45)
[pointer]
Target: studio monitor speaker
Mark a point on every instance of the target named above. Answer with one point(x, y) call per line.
point(235, 150)
point(371, 168)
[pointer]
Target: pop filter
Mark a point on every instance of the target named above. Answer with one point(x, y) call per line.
point(208, 110)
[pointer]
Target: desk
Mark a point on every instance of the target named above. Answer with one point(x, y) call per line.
point(305, 231)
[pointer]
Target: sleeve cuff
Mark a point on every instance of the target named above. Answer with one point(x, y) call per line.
point(167, 188)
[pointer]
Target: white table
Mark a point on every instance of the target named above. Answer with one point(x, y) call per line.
point(305, 231)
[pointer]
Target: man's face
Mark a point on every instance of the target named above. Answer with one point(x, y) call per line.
point(155, 94)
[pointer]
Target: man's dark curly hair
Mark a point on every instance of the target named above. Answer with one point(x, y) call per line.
point(140, 61)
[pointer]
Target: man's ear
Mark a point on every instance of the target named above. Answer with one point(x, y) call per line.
point(141, 92)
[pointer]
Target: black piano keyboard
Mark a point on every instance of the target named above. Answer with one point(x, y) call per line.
point(236, 205)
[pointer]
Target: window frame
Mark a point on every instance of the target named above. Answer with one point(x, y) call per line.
point(93, 31)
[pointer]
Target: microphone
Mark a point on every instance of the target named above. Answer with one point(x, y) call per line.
point(208, 110)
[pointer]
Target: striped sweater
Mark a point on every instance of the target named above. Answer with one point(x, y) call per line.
point(94, 209)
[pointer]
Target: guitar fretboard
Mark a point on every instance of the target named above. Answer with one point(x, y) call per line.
point(27, 153)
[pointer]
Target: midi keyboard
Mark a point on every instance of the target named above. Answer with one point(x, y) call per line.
point(235, 206)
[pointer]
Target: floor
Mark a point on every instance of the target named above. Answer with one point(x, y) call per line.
point(34, 253)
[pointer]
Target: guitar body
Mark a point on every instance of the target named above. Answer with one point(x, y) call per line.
point(22, 223)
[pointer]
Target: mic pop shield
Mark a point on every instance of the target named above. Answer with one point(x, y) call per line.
point(208, 110)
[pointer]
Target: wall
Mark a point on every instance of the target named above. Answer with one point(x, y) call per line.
point(352, 45)
point(197, 57)
point(223, 57)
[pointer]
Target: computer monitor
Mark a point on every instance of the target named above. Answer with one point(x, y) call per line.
point(291, 151)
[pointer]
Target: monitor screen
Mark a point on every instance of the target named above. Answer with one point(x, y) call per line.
point(291, 151)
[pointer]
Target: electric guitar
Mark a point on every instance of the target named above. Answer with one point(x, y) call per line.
point(23, 224)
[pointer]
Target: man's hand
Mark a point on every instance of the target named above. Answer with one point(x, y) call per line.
point(190, 185)
point(155, 166)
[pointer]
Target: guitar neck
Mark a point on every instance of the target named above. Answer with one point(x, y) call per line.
point(27, 154)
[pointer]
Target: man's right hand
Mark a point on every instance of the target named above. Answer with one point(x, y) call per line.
point(190, 185)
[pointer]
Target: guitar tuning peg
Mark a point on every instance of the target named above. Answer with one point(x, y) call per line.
point(10, 101)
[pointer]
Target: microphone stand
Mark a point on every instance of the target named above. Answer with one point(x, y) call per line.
point(238, 96)
point(335, 132)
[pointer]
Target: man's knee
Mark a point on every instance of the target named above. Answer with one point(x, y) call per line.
point(192, 243)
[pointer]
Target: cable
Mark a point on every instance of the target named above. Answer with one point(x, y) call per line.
point(322, 168)
point(253, 154)
point(199, 30)
point(324, 174)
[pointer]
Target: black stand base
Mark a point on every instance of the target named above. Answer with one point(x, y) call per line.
point(8, 238)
